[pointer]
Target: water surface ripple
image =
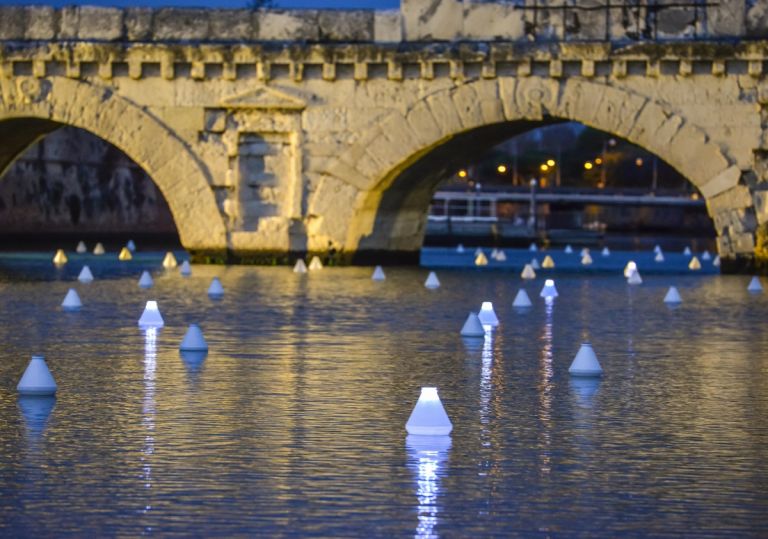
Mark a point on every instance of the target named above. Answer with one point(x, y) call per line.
point(293, 425)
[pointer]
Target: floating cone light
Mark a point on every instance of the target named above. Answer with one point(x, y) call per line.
point(687, 251)
point(568, 249)
point(487, 315)
point(428, 417)
point(548, 263)
point(673, 296)
point(125, 254)
point(60, 258)
point(37, 379)
point(586, 259)
point(606, 251)
point(432, 280)
point(533, 248)
point(193, 341)
point(716, 261)
point(131, 246)
point(460, 248)
point(549, 290)
point(481, 260)
point(378, 274)
point(216, 289)
point(169, 261)
point(472, 327)
point(85, 275)
point(528, 272)
point(300, 266)
point(151, 317)
point(585, 363)
point(315, 264)
point(145, 281)
point(535, 264)
point(71, 301)
point(706, 256)
point(99, 250)
point(659, 257)
point(755, 285)
point(522, 300)
point(694, 264)
point(186, 269)
point(81, 248)
point(501, 257)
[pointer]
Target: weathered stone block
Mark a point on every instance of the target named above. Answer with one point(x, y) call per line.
point(761, 206)
point(232, 24)
point(735, 198)
point(721, 182)
point(13, 22)
point(298, 25)
point(387, 26)
point(726, 18)
point(69, 21)
point(100, 23)
point(742, 243)
point(42, 22)
point(138, 23)
point(492, 21)
point(181, 24)
point(757, 19)
point(346, 25)
point(432, 19)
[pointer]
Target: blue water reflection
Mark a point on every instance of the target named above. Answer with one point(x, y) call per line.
point(293, 423)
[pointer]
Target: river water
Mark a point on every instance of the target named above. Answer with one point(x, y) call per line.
point(293, 425)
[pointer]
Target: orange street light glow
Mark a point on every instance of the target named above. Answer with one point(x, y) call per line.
point(551, 163)
point(544, 167)
point(588, 165)
point(598, 161)
point(502, 169)
point(462, 174)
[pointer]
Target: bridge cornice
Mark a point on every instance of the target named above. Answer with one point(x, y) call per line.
point(361, 61)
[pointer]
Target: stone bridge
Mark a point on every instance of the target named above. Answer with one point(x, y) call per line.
point(274, 132)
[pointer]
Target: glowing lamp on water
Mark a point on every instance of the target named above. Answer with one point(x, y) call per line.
point(428, 417)
point(630, 268)
point(151, 317)
point(488, 316)
point(549, 290)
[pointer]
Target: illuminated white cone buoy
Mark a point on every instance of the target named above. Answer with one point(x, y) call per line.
point(186, 269)
point(99, 249)
point(85, 275)
point(71, 301)
point(130, 246)
point(432, 280)
point(60, 258)
point(193, 340)
point(378, 274)
point(315, 264)
point(706, 256)
point(716, 261)
point(487, 315)
point(37, 380)
point(634, 277)
point(535, 264)
point(428, 417)
point(522, 300)
point(300, 266)
point(657, 248)
point(687, 251)
point(568, 249)
point(81, 248)
point(479, 251)
point(169, 261)
point(584, 251)
point(605, 252)
point(472, 327)
point(549, 290)
point(548, 263)
point(494, 253)
point(151, 317)
point(216, 289)
point(501, 257)
point(533, 248)
point(459, 248)
point(673, 296)
point(481, 260)
point(586, 259)
point(125, 254)
point(694, 264)
point(146, 281)
point(755, 285)
point(585, 363)
point(528, 272)
point(659, 257)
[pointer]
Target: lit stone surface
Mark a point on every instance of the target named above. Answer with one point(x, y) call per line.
point(308, 144)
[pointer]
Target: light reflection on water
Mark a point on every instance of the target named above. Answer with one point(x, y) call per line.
point(294, 422)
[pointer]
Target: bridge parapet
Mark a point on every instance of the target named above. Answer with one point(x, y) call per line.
point(417, 20)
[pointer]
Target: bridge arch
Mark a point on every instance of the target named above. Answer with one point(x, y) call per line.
point(30, 108)
point(384, 170)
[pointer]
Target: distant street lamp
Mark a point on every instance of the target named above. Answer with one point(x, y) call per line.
point(462, 173)
point(501, 169)
point(588, 165)
point(551, 163)
point(544, 167)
